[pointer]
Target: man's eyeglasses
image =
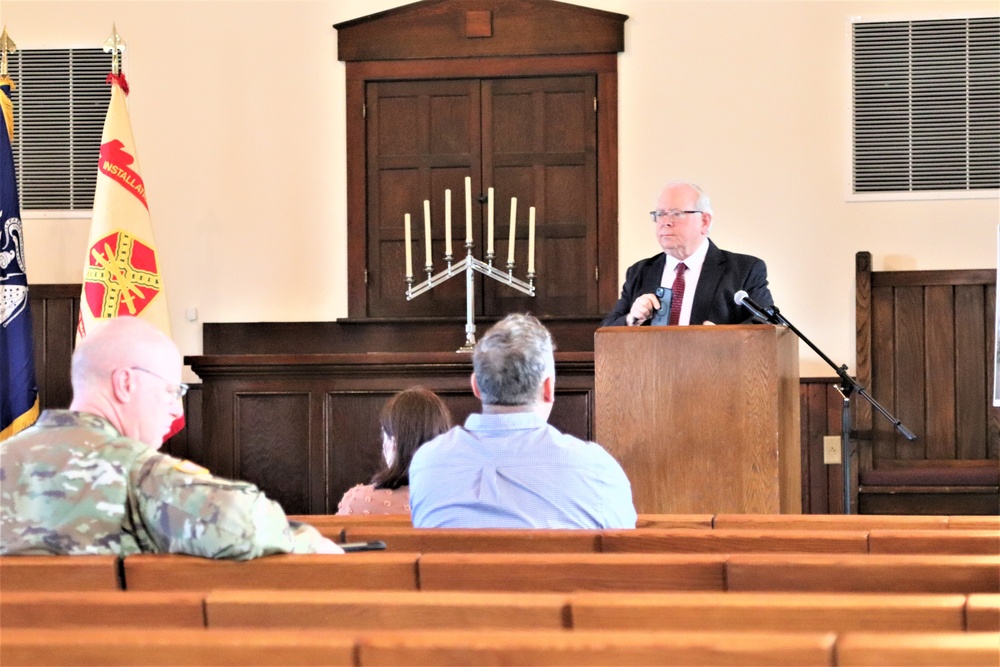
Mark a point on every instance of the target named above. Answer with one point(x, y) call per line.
point(673, 215)
point(176, 391)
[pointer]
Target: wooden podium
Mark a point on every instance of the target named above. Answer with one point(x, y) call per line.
point(704, 419)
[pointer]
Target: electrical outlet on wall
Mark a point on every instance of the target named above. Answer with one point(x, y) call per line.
point(831, 450)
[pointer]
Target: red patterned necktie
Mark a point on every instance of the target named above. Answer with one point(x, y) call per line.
point(678, 295)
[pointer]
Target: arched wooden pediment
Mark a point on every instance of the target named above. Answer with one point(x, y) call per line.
point(480, 28)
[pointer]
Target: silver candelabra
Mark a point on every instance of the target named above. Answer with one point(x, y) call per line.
point(469, 265)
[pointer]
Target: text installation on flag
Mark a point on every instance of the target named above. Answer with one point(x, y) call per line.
point(18, 391)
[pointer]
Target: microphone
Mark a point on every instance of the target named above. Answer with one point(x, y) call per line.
point(763, 314)
point(662, 316)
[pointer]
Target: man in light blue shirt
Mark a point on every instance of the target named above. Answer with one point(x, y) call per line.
point(507, 467)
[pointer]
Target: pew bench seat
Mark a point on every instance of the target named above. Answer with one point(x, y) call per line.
point(595, 648)
point(156, 646)
point(477, 540)
point(382, 571)
point(59, 573)
point(982, 612)
point(953, 541)
point(50, 609)
point(870, 573)
point(724, 540)
point(778, 612)
point(403, 610)
point(572, 572)
point(830, 521)
point(970, 649)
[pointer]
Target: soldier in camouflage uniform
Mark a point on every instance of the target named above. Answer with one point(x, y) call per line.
point(89, 480)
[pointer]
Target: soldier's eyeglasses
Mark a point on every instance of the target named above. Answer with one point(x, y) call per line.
point(176, 391)
point(673, 215)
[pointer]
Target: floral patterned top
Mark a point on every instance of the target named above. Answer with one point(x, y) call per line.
point(366, 499)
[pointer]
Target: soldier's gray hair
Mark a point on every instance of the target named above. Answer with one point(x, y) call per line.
point(512, 360)
point(121, 342)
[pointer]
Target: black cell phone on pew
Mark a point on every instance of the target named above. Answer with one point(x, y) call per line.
point(374, 545)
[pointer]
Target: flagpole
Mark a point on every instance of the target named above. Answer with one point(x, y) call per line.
point(7, 45)
point(115, 45)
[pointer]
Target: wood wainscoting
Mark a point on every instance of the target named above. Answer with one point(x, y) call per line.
point(925, 350)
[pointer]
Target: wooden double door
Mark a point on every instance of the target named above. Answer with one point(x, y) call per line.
point(533, 138)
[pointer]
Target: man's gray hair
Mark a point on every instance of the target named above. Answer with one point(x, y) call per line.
point(512, 359)
point(703, 203)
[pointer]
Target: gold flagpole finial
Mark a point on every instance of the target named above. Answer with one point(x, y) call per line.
point(115, 45)
point(7, 45)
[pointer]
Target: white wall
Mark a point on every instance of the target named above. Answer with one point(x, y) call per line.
point(238, 114)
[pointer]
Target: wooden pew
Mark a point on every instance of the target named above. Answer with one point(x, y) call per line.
point(47, 609)
point(829, 521)
point(402, 610)
point(367, 571)
point(974, 522)
point(982, 613)
point(59, 573)
point(734, 541)
point(778, 612)
point(327, 520)
point(153, 646)
point(753, 521)
point(872, 573)
point(667, 521)
point(477, 540)
point(595, 648)
point(571, 572)
point(968, 648)
point(985, 542)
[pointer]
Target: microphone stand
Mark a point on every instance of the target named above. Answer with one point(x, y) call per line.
point(847, 386)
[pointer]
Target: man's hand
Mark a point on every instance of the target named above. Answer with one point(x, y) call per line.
point(642, 309)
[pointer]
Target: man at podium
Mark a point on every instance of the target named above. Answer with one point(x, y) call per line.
point(692, 281)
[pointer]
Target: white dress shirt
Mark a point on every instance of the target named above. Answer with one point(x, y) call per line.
point(693, 264)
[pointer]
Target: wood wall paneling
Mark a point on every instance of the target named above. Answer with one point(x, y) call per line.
point(273, 443)
point(925, 345)
point(54, 313)
point(972, 381)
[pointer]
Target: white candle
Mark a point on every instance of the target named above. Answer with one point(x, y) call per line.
point(409, 249)
point(513, 222)
point(489, 221)
point(468, 209)
point(447, 222)
point(427, 230)
point(531, 239)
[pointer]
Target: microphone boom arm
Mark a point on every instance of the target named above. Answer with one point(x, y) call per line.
point(848, 385)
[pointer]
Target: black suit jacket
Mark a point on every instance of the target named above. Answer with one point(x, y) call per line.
point(722, 275)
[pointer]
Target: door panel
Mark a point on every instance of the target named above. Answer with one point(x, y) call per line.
point(540, 145)
point(423, 137)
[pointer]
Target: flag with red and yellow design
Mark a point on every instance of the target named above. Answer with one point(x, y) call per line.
point(122, 268)
point(122, 272)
